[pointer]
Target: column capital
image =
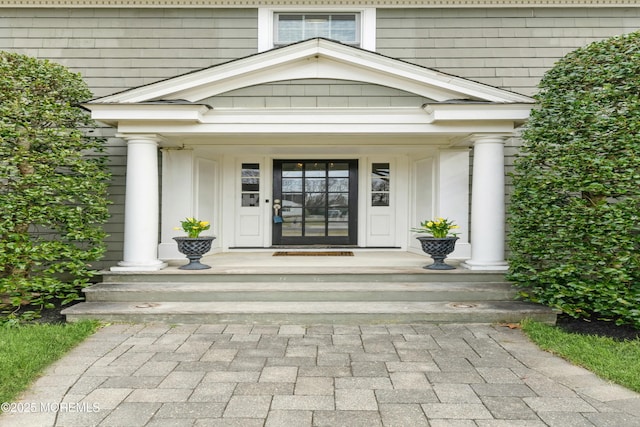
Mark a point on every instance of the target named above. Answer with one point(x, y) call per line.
point(495, 138)
point(141, 137)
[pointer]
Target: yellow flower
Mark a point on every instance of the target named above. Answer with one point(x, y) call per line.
point(204, 223)
point(430, 224)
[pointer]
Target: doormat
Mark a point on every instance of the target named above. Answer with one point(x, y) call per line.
point(320, 253)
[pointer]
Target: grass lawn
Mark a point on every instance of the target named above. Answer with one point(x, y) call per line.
point(25, 351)
point(616, 361)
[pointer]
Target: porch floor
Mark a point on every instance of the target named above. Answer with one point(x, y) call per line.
point(362, 261)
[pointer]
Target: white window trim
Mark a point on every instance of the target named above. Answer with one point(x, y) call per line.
point(367, 24)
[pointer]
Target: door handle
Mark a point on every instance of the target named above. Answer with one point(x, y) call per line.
point(277, 219)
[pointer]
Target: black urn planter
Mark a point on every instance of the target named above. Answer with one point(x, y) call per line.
point(438, 248)
point(194, 248)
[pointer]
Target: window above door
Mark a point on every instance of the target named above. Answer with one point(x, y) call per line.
point(293, 27)
point(279, 27)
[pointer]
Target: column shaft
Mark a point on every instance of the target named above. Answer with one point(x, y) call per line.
point(141, 215)
point(488, 205)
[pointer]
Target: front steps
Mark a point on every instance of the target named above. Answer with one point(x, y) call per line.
point(306, 296)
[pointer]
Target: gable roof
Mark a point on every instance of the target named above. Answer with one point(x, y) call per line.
point(314, 59)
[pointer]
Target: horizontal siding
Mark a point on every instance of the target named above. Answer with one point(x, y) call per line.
point(116, 49)
point(507, 48)
point(316, 93)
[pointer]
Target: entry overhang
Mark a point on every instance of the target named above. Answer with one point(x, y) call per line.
point(112, 114)
point(516, 112)
point(198, 119)
point(178, 105)
point(318, 124)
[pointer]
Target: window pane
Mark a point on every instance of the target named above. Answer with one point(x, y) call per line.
point(315, 200)
point(250, 200)
point(338, 214)
point(343, 28)
point(292, 200)
point(291, 185)
point(338, 199)
point(314, 226)
point(250, 184)
point(291, 170)
point(380, 199)
point(380, 184)
point(292, 27)
point(315, 169)
point(292, 221)
point(289, 28)
point(380, 170)
point(317, 26)
point(315, 184)
point(338, 184)
point(338, 228)
point(338, 169)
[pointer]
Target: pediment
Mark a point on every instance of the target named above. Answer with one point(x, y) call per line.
point(313, 59)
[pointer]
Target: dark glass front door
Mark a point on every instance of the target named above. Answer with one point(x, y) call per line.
point(319, 202)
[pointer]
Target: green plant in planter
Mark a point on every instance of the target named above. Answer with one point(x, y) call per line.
point(439, 227)
point(193, 227)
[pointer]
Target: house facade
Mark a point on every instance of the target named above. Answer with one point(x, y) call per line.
point(309, 124)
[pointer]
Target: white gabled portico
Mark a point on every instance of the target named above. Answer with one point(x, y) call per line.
point(385, 167)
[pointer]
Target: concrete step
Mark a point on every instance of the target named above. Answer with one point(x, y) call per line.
point(304, 274)
point(300, 291)
point(327, 312)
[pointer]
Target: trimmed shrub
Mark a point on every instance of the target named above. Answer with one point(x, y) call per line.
point(575, 208)
point(53, 186)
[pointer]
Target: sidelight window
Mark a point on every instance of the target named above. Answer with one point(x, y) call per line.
point(380, 188)
point(250, 184)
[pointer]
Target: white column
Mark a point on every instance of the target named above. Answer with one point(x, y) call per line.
point(141, 213)
point(487, 205)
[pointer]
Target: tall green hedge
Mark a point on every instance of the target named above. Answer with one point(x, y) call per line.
point(575, 209)
point(53, 185)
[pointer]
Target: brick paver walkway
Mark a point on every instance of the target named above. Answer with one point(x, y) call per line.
point(290, 375)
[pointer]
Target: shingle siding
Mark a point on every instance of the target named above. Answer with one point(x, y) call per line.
point(115, 49)
point(507, 48)
point(316, 93)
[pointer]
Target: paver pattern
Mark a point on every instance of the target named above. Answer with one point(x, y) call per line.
point(323, 375)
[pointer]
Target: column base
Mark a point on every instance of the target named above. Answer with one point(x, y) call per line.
point(489, 265)
point(139, 266)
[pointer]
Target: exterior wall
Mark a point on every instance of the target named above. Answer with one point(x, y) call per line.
point(316, 93)
point(119, 48)
point(507, 48)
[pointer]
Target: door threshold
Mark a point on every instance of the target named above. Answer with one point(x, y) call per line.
point(312, 247)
